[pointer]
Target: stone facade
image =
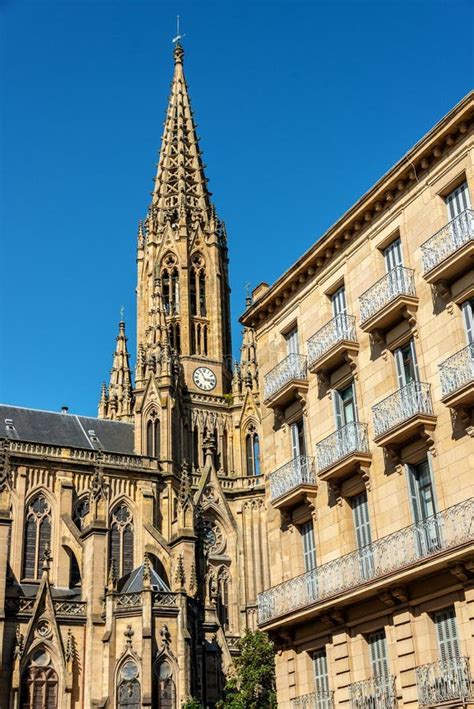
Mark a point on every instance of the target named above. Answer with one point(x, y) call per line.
point(133, 546)
point(365, 349)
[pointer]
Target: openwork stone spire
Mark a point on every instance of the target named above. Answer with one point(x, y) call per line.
point(180, 191)
point(117, 401)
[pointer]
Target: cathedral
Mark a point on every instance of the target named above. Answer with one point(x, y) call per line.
point(133, 545)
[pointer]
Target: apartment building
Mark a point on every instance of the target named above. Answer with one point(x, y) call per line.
point(366, 358)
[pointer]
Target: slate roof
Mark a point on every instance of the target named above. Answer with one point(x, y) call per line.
point(64, 429)
point(134, 582)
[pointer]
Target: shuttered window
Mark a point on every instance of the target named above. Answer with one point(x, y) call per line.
point(298, 446)
point(447, 634)
point(458, 200)
point(378, 654)
point(309, 546)
point(393, 255)
point(468, 315)
point(345, 405)
point(320, 665)
point(292, 341)
point(407, 365)
point(360, 511)
point(338, 300)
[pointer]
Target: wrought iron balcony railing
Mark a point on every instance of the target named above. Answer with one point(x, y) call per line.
point(341, 328)
point(448, 240)
point(299, 471)
point(444, 681)
point(292, 367)
point(446, 530)
point(315, 700)
point(351, 438)
point(412, 399)
point(398, 281)
point(374, 693)
point(457, 371)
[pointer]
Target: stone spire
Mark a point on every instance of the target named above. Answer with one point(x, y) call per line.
point(116, 402)
point(246, 372)
point(180, 192)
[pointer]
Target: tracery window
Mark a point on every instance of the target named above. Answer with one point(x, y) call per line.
point(174, 335)
point(170, 285)
point(166, 686)
point(197, 286)
point(153, 437)
point(37, 535)
point(121, 540)
point(80, 511)
point(39, 684)
point(252, 449)
point(223, 598)
point(128, 689)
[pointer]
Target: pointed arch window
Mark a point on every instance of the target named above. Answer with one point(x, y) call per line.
point(252, 450)
point(196, 456)
point(166, 688)
point(223, 598)
point(153, 436)
point(128, 687)
point(121, 540)
point(197, 286)
point(174, 335)
point(170, 285)
point(39, 682)
point(80, 512)
point(37, 535)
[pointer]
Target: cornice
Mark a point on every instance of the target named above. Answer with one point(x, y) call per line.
point(435, 146)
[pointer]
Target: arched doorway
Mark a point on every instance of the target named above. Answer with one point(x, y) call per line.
point(39, 682)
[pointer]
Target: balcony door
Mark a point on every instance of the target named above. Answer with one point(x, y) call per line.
point(360, 512)
point(379, 664)
point(468, 315)
point(458, 201)
point(321, 680)
point(298, 446)
point(345, 405)
point(406, 363)
point(447, 634)
point(338, 300)
point(427, 525)
point(309, 558)
point(291, 338)
point(393, 255)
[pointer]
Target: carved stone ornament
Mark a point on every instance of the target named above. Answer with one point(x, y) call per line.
point(213, 538)
point(5, 467)
point(99, 487)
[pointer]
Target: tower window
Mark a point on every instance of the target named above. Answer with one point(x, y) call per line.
point(170, 287)
point(252, 447)
point(39, 685)
point(153, 437)
point(37, 536)
point(121, 540)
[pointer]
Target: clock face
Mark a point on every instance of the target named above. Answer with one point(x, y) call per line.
point(204, 378)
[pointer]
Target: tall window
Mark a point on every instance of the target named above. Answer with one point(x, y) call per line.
point(121, 540)
point(360, 511)
point(174, 335)
point(197, 286)
point(424, 507)
point(345, 407)
point(128, 689)
point(458, 201)
point(39, 682)
point(196, 456)
point(298, 445)
point(252, 446)
point(447, 634)
point(37, 535)
point(393, 255)
point(321, 680)
point(170, 285)
point(153, 438)
point(166, 686)
point(223, 598)
point(309, 557)
point(406, 363)
point(468, 315)
point(378, 654)
point(338, 300)
point(291, 338)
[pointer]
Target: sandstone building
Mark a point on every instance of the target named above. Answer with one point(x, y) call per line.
point(366, 355)
point(133, 546)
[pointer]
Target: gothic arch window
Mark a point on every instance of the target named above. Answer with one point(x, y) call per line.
point(170, 285)
point(223, 598)
point(196, 455)
point(197, 286)
point(121, 540)
point(166, 688)
point(225, 451)
point(74, 570)
point(39, 682)
point(174, 335)
point(80, 511)
point(128, 686)
point(37, 535)
point(153, 436)
point(252, 451)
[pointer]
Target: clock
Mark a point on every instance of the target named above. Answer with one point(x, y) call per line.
point(204, 378)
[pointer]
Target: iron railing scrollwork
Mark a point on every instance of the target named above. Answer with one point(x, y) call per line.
point(315, 700)
point(351, 438)
point(446, 530)
point(378, 692)
point(412, 399)
point(457, 371)
point(444, 681)
point(448, 240)
point(293, 367)
point(299, 471)
point(340, 329)
point(398, 281)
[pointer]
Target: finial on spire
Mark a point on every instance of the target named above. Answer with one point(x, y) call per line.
point(122, 313)
point(178, 50)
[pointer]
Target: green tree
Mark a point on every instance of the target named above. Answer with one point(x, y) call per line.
point(252, 686)
point(192, 704)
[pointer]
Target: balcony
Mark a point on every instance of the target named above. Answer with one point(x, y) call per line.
point(373, 693)
point(292, 482)
point(315, 700)
point(387, 302)
point(457, 379)
point(399, 417)
point(286, 381)
point(444, 681)
point(333, 344)
point(403, 553)
point(343, 452)
point(450, 252)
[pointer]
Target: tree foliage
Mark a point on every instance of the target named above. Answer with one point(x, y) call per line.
point(192, 704)
point(252, 686)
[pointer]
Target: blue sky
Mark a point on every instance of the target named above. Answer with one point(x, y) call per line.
point(301, 108)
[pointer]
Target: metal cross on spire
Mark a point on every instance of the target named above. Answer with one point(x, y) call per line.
point(178, 35)
point(122, 313)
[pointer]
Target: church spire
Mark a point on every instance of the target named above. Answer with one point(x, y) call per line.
point(180, 190)
point(116, 403)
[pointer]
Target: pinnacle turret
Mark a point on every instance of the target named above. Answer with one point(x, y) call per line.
point(116, 402)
